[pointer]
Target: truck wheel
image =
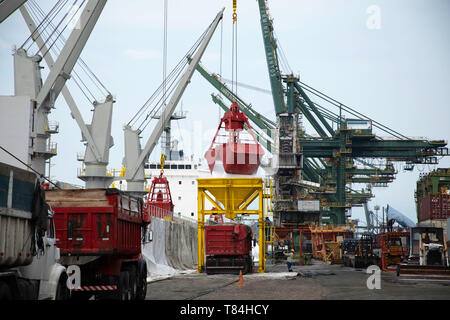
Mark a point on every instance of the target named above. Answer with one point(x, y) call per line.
point(62, 292)
point(142, 282)
point(26, 289)
point(5, 292)
point(133, 281)
point(248, 266)
point(124, 286)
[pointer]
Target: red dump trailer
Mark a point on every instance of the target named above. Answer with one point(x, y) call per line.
point(228, 248)
point(99, 231)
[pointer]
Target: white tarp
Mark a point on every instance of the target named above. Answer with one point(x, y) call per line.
point(172, 250)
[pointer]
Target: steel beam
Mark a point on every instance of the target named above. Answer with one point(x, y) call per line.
point(7, 7)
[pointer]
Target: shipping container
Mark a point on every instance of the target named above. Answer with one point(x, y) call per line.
point(434, 207)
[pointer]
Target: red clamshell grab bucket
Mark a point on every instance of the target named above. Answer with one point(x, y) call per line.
point(159, 202)
point(237, 155)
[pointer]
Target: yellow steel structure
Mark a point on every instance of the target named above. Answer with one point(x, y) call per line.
point(230, 197)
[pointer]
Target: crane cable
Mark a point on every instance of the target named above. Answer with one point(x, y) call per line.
point(220, 63)
point(64, 28)
point(56, 50)
point(234, 50)
point(38, 14)
point(164, 138)
point(53, 12)
point(165, 51)
point(173, 76)
point(29, 167)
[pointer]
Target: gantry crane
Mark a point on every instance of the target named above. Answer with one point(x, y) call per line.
point(338, 148)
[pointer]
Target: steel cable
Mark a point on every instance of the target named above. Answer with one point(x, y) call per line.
point(35, 30)
point(175, 72)
point(80, 62)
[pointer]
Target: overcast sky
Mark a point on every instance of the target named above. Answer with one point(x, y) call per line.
point(387, 59)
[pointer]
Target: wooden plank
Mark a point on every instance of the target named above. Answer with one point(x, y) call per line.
point(77, 204)
point(75, 195)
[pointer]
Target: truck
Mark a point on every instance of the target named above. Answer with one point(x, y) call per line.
point(228, 248)
point(100, 234)
point(29, 268)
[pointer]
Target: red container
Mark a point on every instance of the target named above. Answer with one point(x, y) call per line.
point(96, 221)
point(435, 207)
point(228, 239)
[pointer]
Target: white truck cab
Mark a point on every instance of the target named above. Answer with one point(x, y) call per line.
point(46, 269)
point(29, 267)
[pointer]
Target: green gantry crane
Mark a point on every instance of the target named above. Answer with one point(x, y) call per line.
point(353, 139)
point(329, 158)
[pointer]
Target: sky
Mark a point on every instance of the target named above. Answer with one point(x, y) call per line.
point(388, 59)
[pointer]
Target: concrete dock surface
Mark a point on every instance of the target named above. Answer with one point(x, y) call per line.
point(319, 281)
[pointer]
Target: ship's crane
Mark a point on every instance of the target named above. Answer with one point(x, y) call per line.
point(97, 134)
point(29, 82)
point(135, 157)
point(7, 7)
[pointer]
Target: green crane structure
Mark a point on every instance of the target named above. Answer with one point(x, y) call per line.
point(339, 147)
point(328, 159)
point(315, 170)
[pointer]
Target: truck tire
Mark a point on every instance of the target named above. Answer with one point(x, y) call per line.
point(5, 292)
point(26, 289)
point(248, 265)
point(123, 290)
point(62, 292)
point(133, 281)
point(142, 281)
